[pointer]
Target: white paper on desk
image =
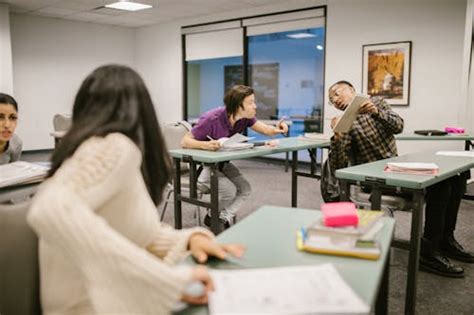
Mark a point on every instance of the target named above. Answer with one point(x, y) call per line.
point(283, 290)
point(236, 142)
point(21, 172)
point(456, 153)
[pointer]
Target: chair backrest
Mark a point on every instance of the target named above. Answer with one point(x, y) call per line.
point(62, 122)
point(174, 133)
point(19, 268)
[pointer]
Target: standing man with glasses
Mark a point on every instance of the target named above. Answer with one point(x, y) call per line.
point(371, 138)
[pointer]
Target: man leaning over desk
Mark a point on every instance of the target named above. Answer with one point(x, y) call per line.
point(371, 138)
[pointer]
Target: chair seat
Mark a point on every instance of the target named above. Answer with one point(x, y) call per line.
point(389, 202)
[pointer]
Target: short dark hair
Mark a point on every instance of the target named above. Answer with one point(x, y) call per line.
point(114, 98)
point(234, 98)
point(7, 99)
point(342, 82)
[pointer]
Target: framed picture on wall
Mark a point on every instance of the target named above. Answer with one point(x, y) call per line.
point(386, 71)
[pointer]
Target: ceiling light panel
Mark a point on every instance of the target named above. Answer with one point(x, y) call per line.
point(128, 6)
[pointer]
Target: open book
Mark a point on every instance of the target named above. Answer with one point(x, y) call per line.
point(234, 143)
point(344, 123)
point(412, 168)
point(21, 172)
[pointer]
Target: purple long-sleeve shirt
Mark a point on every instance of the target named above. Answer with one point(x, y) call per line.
point(216, 124)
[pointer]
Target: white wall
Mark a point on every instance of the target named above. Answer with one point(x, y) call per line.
point(6, 71)
point(51, 57)
point(436, 28)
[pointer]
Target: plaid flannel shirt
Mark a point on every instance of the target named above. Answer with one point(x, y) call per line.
point(371, 138)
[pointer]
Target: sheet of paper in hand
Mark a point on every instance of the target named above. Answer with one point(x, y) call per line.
point(344, 123)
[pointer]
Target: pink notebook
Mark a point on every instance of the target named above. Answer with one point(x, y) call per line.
point(339, 213)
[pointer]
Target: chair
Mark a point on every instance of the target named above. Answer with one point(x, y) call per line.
point(173, 134)
point(389, 203)
point(61, 124)
point(19, 267)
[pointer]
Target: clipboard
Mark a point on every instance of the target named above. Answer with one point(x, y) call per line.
point(344, 123)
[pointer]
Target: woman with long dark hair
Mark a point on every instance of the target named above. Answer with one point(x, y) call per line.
point(102, 249)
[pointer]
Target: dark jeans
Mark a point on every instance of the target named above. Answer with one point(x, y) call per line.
point(442, 206)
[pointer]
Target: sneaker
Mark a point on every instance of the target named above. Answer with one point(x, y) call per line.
point(440, 265)
point(223, 224)
point(452, 249)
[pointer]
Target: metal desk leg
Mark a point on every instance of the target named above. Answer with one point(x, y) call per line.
point(413, 259)
point(192, 180)
point(287, 155)
point(294, 179)
point(177, 194)
point(468, 144)
point(381, 304)
point(376, 196)
point(214, 199)
point(344, 187)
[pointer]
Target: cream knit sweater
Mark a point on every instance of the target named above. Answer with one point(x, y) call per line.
point(102, 249)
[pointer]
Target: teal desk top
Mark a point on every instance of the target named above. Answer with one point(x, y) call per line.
point(285, 145)
point(269, 235)
point(448, 137)
point(448, 166)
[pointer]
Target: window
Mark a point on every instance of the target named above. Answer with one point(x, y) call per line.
point(284, 59)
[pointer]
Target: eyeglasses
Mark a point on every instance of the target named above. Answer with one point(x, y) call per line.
point(337, 92)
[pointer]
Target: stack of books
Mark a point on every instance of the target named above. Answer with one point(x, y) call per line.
point(348, 240)
point(21, 172)
point(412, 168)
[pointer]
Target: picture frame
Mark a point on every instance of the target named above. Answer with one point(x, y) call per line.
point(386, 71)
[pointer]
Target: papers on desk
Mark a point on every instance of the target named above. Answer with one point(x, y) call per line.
point(234, 143)
point(283, 290)
point(315, 136)
point(412, 168)
point(21, 172)
point(456, 153)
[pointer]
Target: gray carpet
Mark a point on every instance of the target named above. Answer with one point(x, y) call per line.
point(436, 295)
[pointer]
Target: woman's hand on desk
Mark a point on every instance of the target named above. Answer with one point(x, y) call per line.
point(202, 247)
point(201, 275)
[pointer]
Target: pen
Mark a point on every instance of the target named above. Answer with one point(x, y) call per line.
point(209, 137)
point(303, 234)
point(282, 119)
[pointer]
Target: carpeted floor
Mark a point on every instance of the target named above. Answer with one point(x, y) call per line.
point(436, 295)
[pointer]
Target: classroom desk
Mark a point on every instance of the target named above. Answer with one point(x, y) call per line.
point(17, 193)
point(372, 174)
point(468, 144)
point(212, 160)
point(277, 248)
point(468, 139)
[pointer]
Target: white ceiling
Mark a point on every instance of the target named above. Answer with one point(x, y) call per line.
point(163, 10)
